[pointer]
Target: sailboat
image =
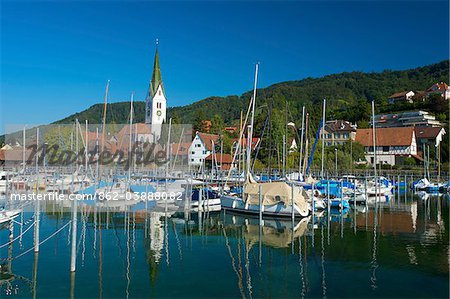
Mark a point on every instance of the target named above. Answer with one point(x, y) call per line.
point(273, 199)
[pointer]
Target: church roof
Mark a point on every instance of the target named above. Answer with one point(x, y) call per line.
point(156, 77)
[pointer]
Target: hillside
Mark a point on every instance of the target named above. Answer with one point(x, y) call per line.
point(347, 95)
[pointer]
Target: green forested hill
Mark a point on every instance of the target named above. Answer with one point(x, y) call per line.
point(348, 96)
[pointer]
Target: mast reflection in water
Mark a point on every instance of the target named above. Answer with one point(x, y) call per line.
point(391, 248)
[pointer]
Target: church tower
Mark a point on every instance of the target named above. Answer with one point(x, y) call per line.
point(155, 102)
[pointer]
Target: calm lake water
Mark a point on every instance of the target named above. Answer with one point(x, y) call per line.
point(399, 248)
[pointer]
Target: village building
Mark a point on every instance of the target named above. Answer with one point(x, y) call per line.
point(201, 147)
point(219, 161)
point(393, 145)
point(406, 119)
point(404, 96)
point(439, 88)
point(338, 132)
point(429, 135)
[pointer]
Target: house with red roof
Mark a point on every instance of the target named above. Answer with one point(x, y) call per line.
point(439, 88)
point(404, 96)
point(393, 145)
point(201, 147)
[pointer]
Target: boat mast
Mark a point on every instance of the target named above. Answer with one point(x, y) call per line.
point(374, 146)
point(323, 136)
point(105, 100)
point(129, 145)
point(301, 143)
point(250, 128)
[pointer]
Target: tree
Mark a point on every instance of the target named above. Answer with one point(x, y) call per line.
point(217, 125)
point(199, 121)
point(438, 104)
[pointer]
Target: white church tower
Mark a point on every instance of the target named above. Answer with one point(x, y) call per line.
point(156, 102)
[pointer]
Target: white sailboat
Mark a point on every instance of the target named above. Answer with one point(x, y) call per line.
point(274, 199)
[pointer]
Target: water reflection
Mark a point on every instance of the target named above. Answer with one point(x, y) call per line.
point(396, 247)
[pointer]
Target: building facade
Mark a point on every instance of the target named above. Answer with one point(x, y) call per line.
point(439, 88)
point(201, 147)
point(404, 96)
point(393, 145)
point(337, 132)
point(406, 119)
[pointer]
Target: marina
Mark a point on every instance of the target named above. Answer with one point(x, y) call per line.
point(395, 248)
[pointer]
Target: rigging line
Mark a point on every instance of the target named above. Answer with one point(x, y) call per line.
point(260, 141)
point(43, 241)
point(238, 147)
point(15, 239)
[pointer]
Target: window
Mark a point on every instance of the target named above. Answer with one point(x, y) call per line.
point(385, 149)
point(192, 160)
point(159, 92)
point(337, 135)
point(193, 152)
point(204, 152)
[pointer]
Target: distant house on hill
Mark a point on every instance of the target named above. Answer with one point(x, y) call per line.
point(404, 96)
point(393, 145)
point(201, 147)
point(406, 119)
point(439, 88)
point(338, 132)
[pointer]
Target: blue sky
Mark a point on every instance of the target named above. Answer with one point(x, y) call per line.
point(57, 57)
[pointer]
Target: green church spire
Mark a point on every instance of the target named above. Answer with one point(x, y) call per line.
point(156, 77)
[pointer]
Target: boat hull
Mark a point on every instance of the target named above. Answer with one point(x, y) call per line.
point(281, 210)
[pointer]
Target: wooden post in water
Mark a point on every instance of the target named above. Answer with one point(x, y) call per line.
point(292, 203)
point(328, 198)
point(365, 191)
point(73, 254)
point(260, 205)
point(72, 285)
point(34, 277)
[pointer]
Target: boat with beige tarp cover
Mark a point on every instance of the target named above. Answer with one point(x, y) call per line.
point(275, 199)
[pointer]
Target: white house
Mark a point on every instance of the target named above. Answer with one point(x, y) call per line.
point(439, 88)
point(404, 96)
point(392, 144)
point(201, 147)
